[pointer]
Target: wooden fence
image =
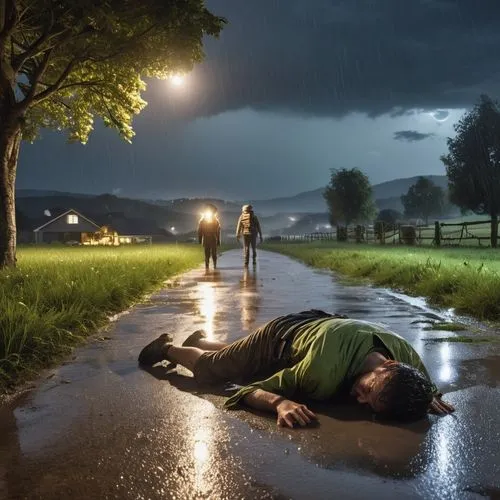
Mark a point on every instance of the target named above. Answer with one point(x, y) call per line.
point(438, 234)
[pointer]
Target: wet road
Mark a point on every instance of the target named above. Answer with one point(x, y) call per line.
point(99, 427)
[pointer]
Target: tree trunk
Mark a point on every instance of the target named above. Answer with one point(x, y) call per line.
point(10, 142)
point(494, 231)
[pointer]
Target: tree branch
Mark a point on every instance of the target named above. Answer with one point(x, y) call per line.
point(9, 14)
point(32, 50)
point(51, 89)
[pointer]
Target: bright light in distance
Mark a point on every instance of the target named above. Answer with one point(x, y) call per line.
point(177, 80)
point(207, 216)
point(172, 228)
point(293, 219)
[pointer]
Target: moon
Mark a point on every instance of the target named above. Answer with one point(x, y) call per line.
point(440, 115)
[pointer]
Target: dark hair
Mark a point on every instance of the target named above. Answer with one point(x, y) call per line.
point(406, 395)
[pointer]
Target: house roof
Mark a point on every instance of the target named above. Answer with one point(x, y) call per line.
point(70, 211)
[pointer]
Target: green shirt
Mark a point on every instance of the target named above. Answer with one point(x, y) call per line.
point(327, 354)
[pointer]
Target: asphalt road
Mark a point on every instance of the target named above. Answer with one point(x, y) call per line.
point(100, 427)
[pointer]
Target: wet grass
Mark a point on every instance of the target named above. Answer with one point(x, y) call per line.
point(447, 327)
point(463, 340)
point(58, 296)
point(466, 279)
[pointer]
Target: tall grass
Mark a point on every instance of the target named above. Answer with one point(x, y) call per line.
point(57, 296)
point(465, 279)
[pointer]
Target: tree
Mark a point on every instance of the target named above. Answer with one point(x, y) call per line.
point(64, 62)
point(473, 162)
point(423, 199)
point(389, 216)
point(349, 197)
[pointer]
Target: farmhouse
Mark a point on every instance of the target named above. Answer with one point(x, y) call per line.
point(73, 228)
point(68, 227)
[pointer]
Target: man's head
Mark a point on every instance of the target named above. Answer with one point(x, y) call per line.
point(246, 208)
point(395, 391)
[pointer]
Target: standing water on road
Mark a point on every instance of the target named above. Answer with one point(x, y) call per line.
point(99, 427)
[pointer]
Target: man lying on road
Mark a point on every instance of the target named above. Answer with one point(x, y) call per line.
point(313, 355)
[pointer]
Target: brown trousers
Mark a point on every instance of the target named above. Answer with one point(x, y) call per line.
point(262, 353)
point(249, 240)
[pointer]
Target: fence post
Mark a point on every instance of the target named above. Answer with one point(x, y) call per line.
point(437, 233)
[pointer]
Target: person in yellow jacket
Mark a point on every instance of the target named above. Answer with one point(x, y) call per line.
point(313, 355)
point(209, 234)
point(249, 227)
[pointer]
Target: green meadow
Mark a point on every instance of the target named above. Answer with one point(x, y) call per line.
point(57, 296)
point(467, 279)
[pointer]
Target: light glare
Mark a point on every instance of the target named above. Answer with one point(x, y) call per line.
point(177, 80)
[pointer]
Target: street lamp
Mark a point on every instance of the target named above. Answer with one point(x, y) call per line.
point(177, 80)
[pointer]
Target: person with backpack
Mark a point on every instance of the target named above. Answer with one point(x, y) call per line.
point(209, 234)
point(248, 227)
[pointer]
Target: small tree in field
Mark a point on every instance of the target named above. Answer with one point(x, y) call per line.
point(473, 162)
point(349, 197)
point(64, 62)
point(423, 199)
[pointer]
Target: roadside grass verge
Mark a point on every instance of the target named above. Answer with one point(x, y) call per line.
point(58, 296)
point(466, 279)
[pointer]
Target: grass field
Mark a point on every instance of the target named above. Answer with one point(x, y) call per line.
point(467, 279)
point(57, 296)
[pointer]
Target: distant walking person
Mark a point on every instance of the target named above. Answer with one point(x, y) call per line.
point(249, 227)
point(209, 234)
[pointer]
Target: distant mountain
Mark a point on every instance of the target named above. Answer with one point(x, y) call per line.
point(308, 201)
point(386, 194)
point(106, 209)
point(196, 205)
point(398, 187)
point(28, 193)
point(307, 209)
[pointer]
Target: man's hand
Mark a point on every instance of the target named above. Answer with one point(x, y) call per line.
point(261, 239)
point(290, 413)
point(440, 407)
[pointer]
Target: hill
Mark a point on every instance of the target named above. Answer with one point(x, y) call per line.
point(147, 216)
point(386, 194)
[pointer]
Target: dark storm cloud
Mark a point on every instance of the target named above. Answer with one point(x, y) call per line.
point(330, 57)
point(411, 136)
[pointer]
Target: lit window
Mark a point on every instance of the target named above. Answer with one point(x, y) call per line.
point(72, 219)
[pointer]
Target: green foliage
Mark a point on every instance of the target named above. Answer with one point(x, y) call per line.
point(423, 199)
point(56, 297)
point(389, 216)
point(349, 197)
point(69, 61)
point(473, 161)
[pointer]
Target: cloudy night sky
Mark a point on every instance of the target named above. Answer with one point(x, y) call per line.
point(292, 89)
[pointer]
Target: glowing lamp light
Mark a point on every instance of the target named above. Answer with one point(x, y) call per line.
point(177, 80)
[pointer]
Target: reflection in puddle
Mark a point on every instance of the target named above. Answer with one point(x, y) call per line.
point(249, 299)
point(445, 371)
point(202, 454)
point(206, 293)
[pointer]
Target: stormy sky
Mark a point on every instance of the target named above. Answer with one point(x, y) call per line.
point(292, 89)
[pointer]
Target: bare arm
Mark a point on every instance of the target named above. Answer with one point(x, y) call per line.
point(289, 413)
